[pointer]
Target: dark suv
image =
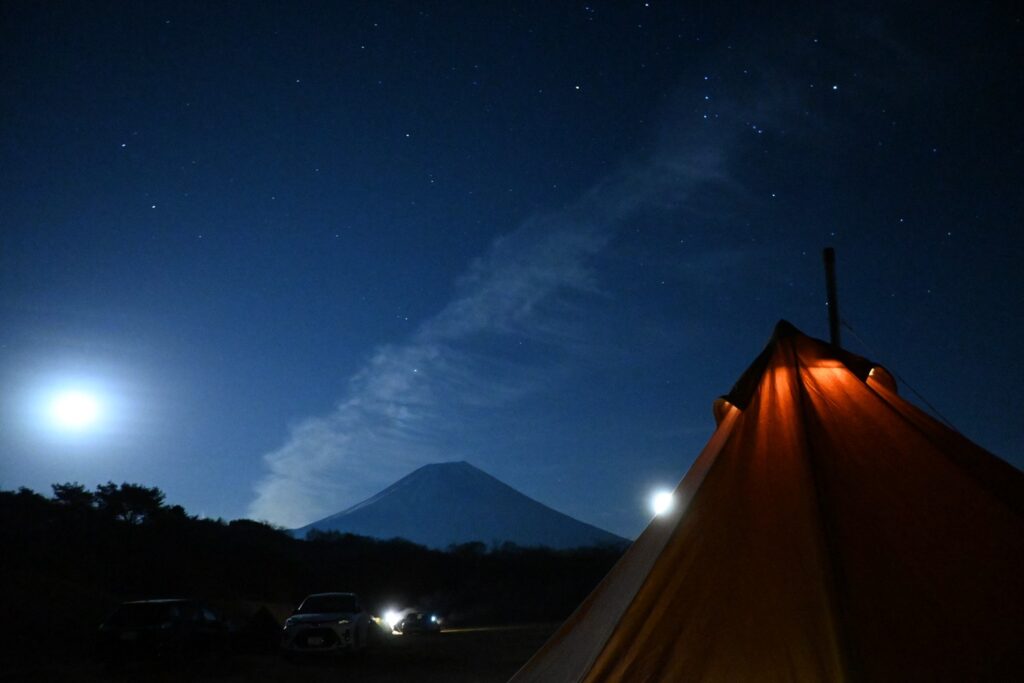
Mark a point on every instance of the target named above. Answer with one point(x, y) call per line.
point(169, 630)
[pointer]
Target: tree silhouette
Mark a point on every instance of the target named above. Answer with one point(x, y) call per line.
point(132, 503)
point(73, 494)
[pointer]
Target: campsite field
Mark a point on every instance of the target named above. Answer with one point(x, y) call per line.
point(478, 655)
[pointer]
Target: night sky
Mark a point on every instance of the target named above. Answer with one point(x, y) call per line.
point(299, 249)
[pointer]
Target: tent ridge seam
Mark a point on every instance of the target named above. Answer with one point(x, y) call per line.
point(833, 569)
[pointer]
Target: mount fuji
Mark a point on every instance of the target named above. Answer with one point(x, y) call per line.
point(454, 502)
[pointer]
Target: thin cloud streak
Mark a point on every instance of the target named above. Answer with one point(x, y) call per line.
point(402, 408)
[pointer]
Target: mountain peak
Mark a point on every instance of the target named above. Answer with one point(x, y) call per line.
point(450, 465)
point(449, 503)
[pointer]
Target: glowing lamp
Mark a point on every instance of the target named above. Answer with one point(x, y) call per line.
point(661, 502)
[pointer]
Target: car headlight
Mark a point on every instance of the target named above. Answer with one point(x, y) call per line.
point(342, 621)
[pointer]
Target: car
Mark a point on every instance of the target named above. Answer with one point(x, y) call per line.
point(171, 630)
point(419, 622)
point(326, 623)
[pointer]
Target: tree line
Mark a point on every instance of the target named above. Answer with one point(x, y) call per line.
point(79, 552)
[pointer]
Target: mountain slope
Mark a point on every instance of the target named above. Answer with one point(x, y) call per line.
point(453, 502)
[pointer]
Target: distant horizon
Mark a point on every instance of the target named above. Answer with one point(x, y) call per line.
point(311, 522)
point(310, 526)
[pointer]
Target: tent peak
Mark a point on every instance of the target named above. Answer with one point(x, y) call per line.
point(806, 348)
point(785, 329)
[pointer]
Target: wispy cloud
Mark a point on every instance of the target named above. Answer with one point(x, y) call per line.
point(402, 408)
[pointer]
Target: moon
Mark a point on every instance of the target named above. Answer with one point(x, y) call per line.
point(74, 410)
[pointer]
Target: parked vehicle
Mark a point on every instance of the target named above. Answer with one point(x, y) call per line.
point(419, 622)
point(326, 623)
point(170, 630)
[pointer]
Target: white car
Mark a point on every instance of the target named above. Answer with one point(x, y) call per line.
point(326, 622)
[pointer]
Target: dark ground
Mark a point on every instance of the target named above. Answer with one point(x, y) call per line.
point(479, 655)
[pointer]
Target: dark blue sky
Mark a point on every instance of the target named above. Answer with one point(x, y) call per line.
point(301, 250)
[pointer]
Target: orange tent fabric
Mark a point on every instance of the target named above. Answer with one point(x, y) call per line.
point(829, 531)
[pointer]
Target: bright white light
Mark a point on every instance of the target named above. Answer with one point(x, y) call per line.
point(74, 409)
point(661, 502)
point(391, 618)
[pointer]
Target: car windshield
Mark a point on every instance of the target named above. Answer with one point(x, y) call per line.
point(324, 604)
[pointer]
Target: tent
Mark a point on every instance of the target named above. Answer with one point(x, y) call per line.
point(829, 531)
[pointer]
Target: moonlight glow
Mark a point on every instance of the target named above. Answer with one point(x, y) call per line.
point(74, 410)
point(661, 502)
